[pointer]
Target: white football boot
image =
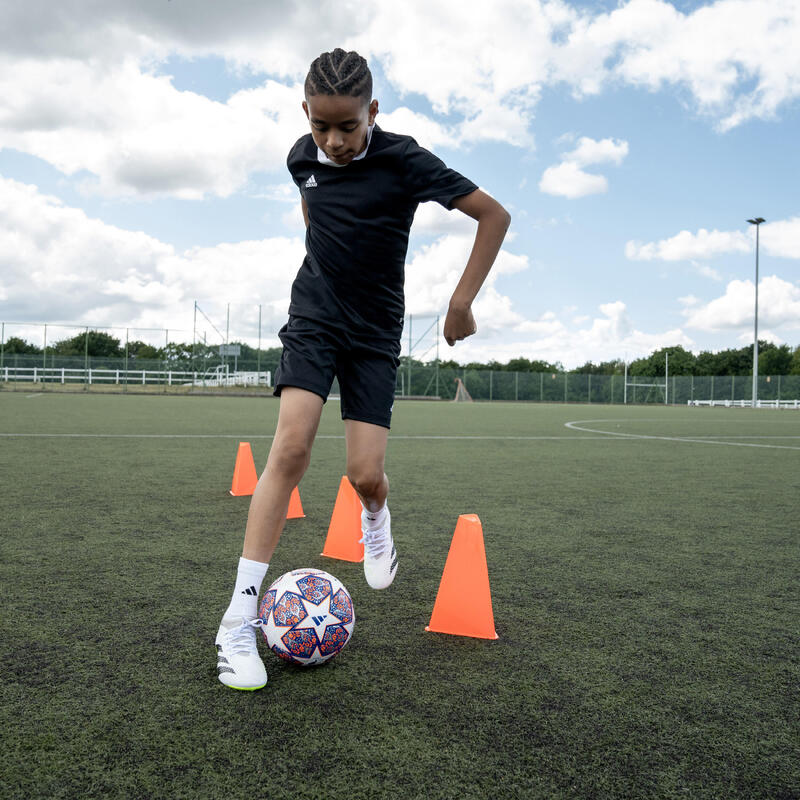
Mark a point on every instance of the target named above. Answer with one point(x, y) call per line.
point(238, 663)
point(380, 555)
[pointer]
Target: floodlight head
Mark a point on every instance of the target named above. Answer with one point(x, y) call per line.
point(756, 221)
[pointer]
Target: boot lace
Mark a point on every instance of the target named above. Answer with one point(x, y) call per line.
point(241, 640)
point(375, 542)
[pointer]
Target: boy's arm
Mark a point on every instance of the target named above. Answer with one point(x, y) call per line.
point(493, 221)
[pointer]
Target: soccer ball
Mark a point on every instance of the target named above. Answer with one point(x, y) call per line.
point(307, 616)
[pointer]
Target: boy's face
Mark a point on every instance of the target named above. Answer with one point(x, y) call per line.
point(339, 124)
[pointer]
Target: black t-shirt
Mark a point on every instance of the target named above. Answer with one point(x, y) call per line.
point(359, 220)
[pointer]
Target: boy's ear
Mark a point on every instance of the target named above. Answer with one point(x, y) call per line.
point(305, 108)
point(373, 111)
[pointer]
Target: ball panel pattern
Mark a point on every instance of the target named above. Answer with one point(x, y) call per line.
point(289, 610)
point(267, 603)
point(334, 640)
point(314, 588)
point(342, 606)
point(300, 643)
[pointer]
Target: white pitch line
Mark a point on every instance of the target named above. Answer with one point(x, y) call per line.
point(576, 426)
point(244, 437)
point(600, 436)
point(743, 436)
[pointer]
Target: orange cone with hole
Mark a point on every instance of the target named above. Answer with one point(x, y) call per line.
point(295, 506)
point(244, 472)
point(464, 602)
point(344, 531)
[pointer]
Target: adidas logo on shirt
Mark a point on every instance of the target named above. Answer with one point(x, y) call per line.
point(311, 183)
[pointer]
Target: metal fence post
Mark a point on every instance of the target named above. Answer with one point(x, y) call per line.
point(86, 358)
point(410, 321)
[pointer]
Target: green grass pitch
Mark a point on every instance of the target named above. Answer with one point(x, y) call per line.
point(644, 570)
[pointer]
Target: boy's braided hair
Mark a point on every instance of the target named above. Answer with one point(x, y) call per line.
point(339, 72)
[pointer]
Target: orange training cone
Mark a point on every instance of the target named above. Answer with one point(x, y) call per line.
point(295, 506)
point(345, 528)
point(464, 602)
point(244, 472)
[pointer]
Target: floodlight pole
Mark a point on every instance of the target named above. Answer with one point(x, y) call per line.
point(757, 222)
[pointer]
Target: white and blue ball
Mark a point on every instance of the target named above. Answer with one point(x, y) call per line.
point(307, 616)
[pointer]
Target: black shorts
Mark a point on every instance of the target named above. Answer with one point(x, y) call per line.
point(314, 353)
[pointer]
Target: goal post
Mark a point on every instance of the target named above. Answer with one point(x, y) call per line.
point(462, 395)
point(634, 384)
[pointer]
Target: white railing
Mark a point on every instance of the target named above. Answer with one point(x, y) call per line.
point(234, 379)
point(132, 377)
point(746, 403)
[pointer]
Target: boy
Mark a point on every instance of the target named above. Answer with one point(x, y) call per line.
point(359, 187)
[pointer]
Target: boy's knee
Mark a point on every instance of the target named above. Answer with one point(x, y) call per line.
point(367, 482)
point(290, 459)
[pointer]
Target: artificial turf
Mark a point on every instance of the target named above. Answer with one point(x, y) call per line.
point(644, 590)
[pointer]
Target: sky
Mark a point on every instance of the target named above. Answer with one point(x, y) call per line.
point(143, 181)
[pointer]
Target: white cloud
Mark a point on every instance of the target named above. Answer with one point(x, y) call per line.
point(59, 265)
point(80, 88)
point(780, 238)
point(590, 151)
point(737, 58)
point(97, 274)
point(429, 133)
point(569, 179)
point(136, 134)
point(251, 34)
point(707, 272)
point(746, 337)
point(432, 219)
point(435, 269)
point(605, 337)
point(778, 306)
point(686, 245)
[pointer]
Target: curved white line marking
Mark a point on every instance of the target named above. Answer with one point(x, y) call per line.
point(577, 425)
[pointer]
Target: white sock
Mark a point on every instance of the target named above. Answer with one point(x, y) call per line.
point(249, 576)
point(374, 520)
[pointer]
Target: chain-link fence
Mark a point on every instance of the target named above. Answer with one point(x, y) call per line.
point(414, 379)
point(189, 360)
point(574, 387)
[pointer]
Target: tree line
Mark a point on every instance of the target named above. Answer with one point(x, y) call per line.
point(772, 359)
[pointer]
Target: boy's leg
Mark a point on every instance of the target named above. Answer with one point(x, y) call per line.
point(289, 456)
point(238, 662)
point(366, 452)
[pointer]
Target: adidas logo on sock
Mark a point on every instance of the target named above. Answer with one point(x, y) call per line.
point(311, 183)
point(251, 590)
